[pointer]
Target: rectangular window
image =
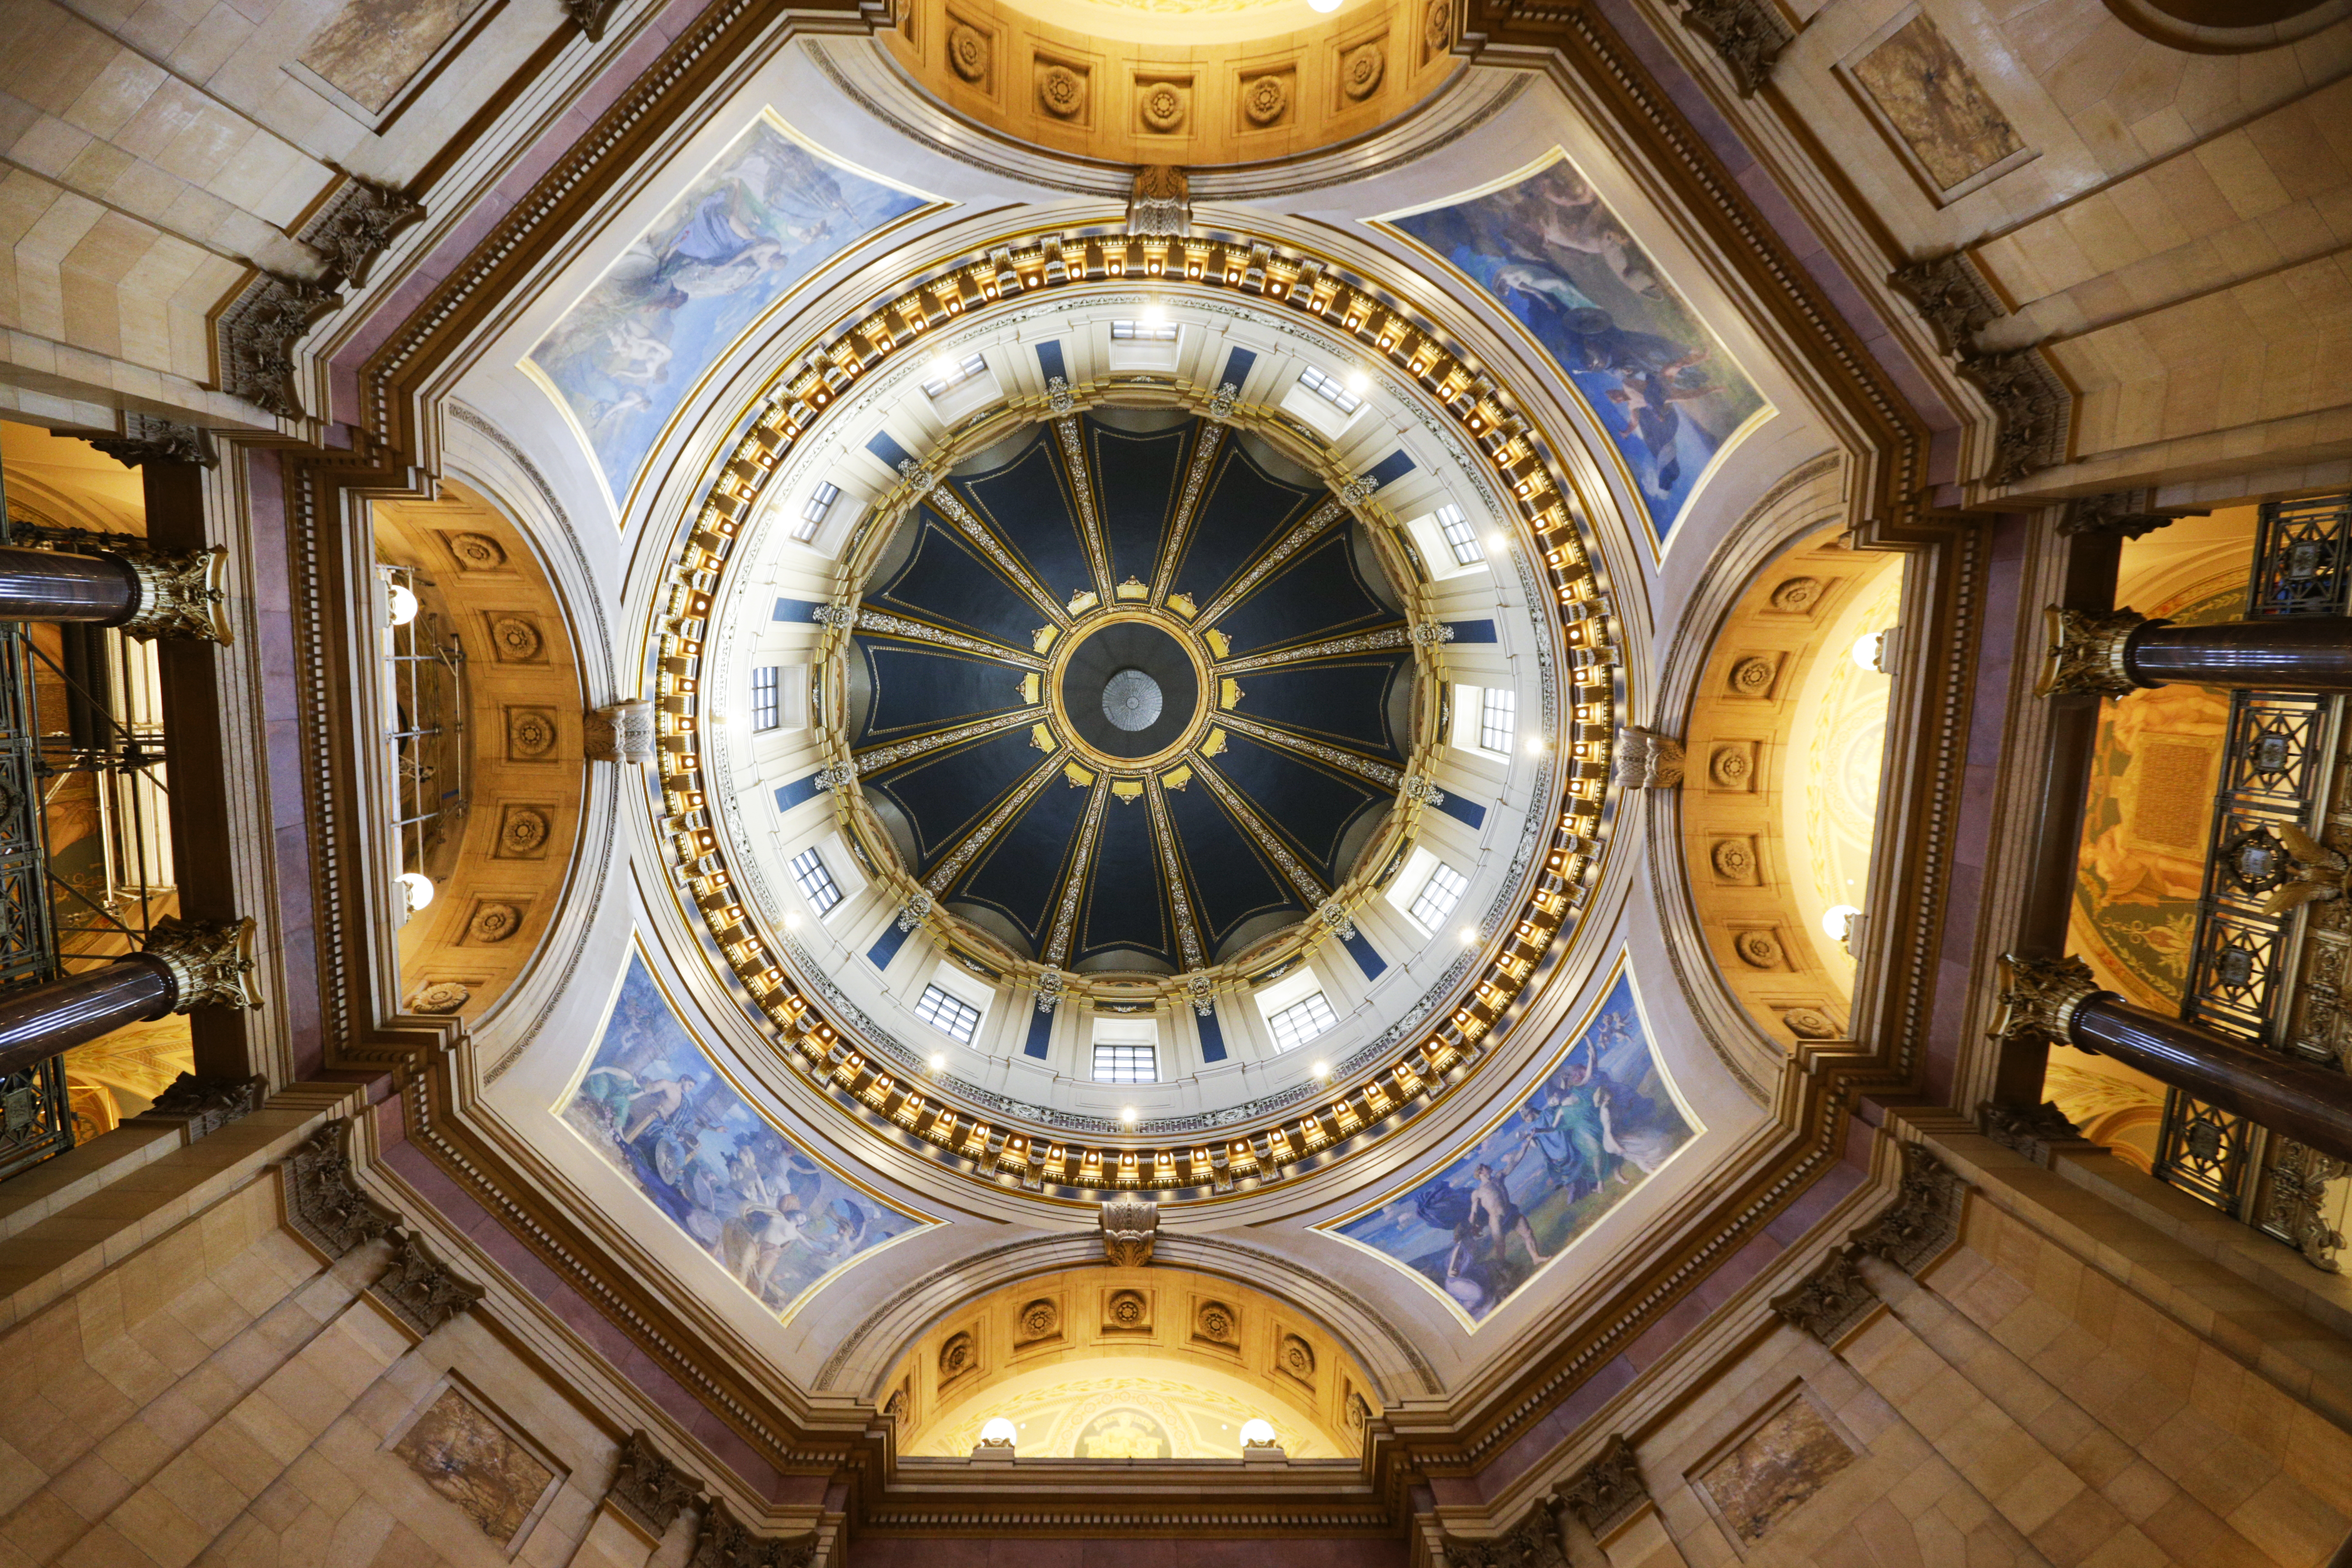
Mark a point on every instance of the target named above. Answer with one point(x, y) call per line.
point(1499, 708)
point(1438, 896)
point(1460, 537)
point(816, 883)
point(955, 376)
point(1301, 1021)
point(1142, 331)
point(813, 515)
point(1127, 1064)
point(1329, 389)
point(767, 696)
point(948, 1014)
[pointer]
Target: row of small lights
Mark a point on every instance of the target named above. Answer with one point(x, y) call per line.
point(1009, 1157)
point(999, 1432)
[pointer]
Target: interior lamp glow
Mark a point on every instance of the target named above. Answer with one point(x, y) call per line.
point(1868, 649)
point(402, 603)
point(939, 1062)
point(1358, 382)
point(999, 1432)
point(1469, 936)
point(419, 887)
point(1257, 1433)
point(1326, 6)
point(1836, 920)
point(1126, 1114)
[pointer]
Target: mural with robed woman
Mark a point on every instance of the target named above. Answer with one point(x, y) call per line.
point(1544, 246)
point(776, 1218)
point(1599, 1124)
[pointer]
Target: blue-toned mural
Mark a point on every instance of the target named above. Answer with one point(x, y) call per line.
point(766, 216)
point(1584, 1136)
point(654, 1106)
point(1548, 249)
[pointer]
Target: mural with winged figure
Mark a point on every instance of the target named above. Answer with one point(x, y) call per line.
point(1587, 1133)
point(761, 218)
point(1545, 247)
point(777, 1219)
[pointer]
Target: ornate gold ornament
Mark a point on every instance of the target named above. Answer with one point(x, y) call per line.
point(211, 961)
point(179, 596)
point(2086, 652)
point(2039, 996)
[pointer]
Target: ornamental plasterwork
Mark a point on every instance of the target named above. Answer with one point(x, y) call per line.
point(982, 1148)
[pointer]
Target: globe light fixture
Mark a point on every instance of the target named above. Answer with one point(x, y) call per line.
point(1869, 649)
point(1325, 6)
point(419, 887)
point(998, 1434)
point(401, 604)
point(1837, 921)
point(1257, 1433)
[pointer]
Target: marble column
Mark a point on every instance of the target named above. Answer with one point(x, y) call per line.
point(2114, 653)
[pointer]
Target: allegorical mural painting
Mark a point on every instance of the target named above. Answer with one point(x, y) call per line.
point(2149, 812)
point(1590, 1131)
point(466, 1457)
point(761, 218)
point(1548, 249)
point(774, 1217)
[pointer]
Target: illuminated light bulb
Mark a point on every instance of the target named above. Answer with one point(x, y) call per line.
point(792, 922)
point(1536, 747)
point(999, 1432)
point(1502, 541)
point(939, 1062)
point(944, 369)
point(1837, 921)
point(420, 889)
point(1257, 1433)
point(1869, 648)
point(1126, 1114)
point(1324, 6)
point(1153, 316)
point(1322, 1070)
point(1469, 936)
point(403, 605)
point(1358, 382)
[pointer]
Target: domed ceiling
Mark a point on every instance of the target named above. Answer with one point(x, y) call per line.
point(1186, 673)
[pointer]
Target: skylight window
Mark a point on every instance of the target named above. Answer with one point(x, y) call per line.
point(951, 1015)
point(1499, 711)
point(1301, 1021)
point(813, 515)
point(1437, 896)
point(1330, 389)
point(951, 376)
point(1127, 1064)
point(815, 883)
point(1143, 331)
point(767, 696)
point(1460, 537)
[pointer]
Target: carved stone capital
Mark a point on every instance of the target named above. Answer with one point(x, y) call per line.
point(2038, 998)
point(1829, 1300)
point(1647, 760)
point(1608, 1491)
point(145, 439)
point(2086, 654)
point(727, 1541)
point(179, 596)
point(2027, 1130)
point(2035, 411)
point(322, 1198)
point(1159, 201)
point(590, 16)
point(1952, 297)
point(1924, 1219)
point(1424, 791)
point(356, 225)
point(419, 1289)
point(211, 961)
point(1748, 36)
point(620, 732)
point(648, 1487)
point(2123, 514)
point(257, 337)
point(1221, 401)
point(1533, 1542)
point(1130, 1225)
point(208, 1104)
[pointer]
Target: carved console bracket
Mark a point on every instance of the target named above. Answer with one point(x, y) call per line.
point(1608, 1491)
point(590, 16)
point(2033, 408)
point(1925, 1219)
point(1160, 202)
point(1647, 760)
point(621, 732)
point(648, 1489)
point(2032, 1131)
point(1533, 1542)
point(1130, 1225)
point(1748, 36)
point(356, 225)
point(146, 440)
point(1829, 1301)
point(324, 1202)
point(205, 1105)
point(728, 1543)
point(258, 330)
point(2122, 514)
point(419, 1289)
